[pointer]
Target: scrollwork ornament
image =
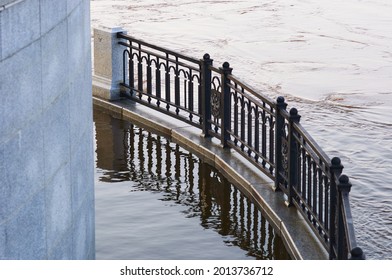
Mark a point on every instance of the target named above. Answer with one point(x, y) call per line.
point(215, 103)
point(285, 156)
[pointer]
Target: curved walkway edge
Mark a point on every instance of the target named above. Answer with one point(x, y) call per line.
point(299, 239)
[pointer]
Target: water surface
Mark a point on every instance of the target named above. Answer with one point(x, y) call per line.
point(155, 200)
point(331, 59)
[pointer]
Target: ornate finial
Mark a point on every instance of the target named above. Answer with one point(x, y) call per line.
point(293, 112)
point(343, 179)
point(294, 115)
point(226, 68)
point(280, 99)
point(336, 166)
point(344, 183)
point(357, 254)
point(336, 161)
point(206, 56)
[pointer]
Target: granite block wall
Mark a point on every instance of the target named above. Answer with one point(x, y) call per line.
point(46, 130)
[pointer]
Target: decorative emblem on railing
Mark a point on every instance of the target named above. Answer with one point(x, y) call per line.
point(285, 157)
point(215, 103)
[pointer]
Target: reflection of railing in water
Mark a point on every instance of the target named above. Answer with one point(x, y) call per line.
point(260, 129)
point(157, 165)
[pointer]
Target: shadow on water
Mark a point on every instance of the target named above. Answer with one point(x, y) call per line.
point(155, 200)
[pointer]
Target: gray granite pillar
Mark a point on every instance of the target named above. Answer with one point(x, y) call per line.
point(108, 63)
point(46, 131)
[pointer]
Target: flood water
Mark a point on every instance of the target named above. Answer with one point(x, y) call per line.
point(155, 200)
point(330, 59)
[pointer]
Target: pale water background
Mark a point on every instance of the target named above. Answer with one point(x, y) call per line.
point(331, 59)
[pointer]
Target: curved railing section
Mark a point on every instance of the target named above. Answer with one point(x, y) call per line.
point(257, 127)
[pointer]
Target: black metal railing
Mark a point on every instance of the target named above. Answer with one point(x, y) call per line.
point(257, 127)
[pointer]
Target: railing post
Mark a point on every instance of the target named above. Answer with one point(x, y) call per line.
point(225, 104)
point(292, 156)
point(344, 187)
point(335, 169)
point(281, 105)
point(206, 94)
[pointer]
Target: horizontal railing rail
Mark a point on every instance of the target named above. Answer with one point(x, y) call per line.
point(257, 127)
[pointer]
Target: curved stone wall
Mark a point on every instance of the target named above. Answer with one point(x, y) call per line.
point(46, 148)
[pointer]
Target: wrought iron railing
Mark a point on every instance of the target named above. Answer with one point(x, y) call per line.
point(257, 127)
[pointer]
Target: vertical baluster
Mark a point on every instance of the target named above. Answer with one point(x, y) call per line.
point(304, 189)
point(177, 88)
point(149, 79)
point(235, 121)
point(140, 72)
point(321, 193)
point(158, 85)
point(309, 184)
point(257, 132)
point(131, 69)
point(250, 123)
point(264, 135)
point(190, 94)
point(185, 92)
point(315, 185)
point(272, 140)
point(326, 203)
point(300, 168)
point(200, 102)
point(242, 121)
point(125, 56)
point(167, 83)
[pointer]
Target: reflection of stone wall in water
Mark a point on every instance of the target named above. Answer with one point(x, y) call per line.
point(110, 142)
point(46, 149)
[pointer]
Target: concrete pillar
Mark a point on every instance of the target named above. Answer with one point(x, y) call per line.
point(108, 63)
